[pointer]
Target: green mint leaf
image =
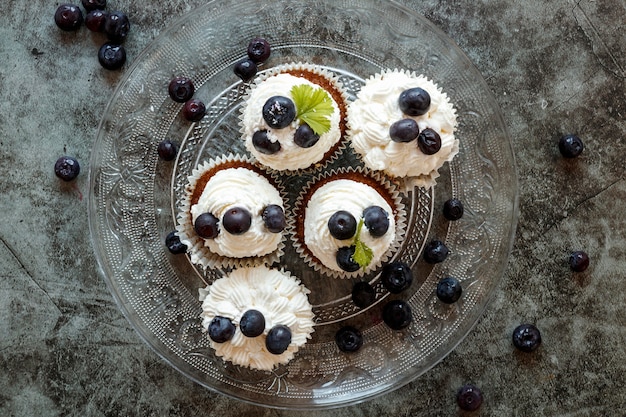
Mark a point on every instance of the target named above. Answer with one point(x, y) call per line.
point(313, 107)
point(363, 254)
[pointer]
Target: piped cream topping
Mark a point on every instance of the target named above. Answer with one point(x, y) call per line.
point(277, 295)
point(376, 109)
point(239, 187)
point(291, 156)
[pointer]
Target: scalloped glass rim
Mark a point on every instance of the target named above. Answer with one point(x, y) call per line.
point(128, 219)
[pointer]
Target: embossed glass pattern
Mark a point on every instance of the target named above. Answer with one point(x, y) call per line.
point(134, 195)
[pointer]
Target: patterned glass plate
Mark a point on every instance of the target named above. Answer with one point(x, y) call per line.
point(134, 195)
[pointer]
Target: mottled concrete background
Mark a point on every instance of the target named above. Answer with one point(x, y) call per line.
point(554, 67)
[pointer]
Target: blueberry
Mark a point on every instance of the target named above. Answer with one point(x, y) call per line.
point(194, 110)
point(279, 112)
point(345, 260)
point(435, 252)
point(90, 5)
point(570, 146)
point(207, 226)
point(526, 337)
point(167, 150)
point(414, 101)
point(278, 339)
point(342, 225)
point(305, 137)
point(237, 220)
point(363, 294)
point(263, 144)
point(68, 17)
point(221, 329)
point(349, 339)
point(245, 69)
point(252, 323)
point(94, 21)
point(578, 261)
point(116, 26)
point(181, 89)
point(397, 314)
point(404, 130)
point(273, 217)
point(173, 243)
point(469, 397)
point(66, 168)
point(376, 219)
point(112, 56)
point(396, 277)
point(449, 290)
point(259, 50)
point(429, 141)
point(453, 209)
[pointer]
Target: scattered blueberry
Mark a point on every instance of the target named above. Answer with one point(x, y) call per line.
point(435, 252)
point(252, 323)
point(404, 130)
point(68, 17)
point(414, 101)
point(305, 137)
point(342, 225)
point(94, 20)
point(207, 226)
point(278, 339)
point(90, 5)
point(112, 56)
point(181, 89)
point(578, 261)
point(221, 329)
point(396, 277)
point(167, 150)
point(263, 144)
point(237, 220)
point(349, 339)
point(245, 69)
point(429, 141)
point(67, 168)
point(570, 146)
point(526, 337)
point(116, 26)
point(363, 294)
point(345, 260)
point(273, 217)
point(173, 243)
point(259, 50)
point(279, 112)
point(397, 314)
point(449, 290)
point(376, 219)
point(453, 209)
point(194, 110)
point(469, 397)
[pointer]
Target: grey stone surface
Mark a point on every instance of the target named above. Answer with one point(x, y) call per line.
point(553, 66)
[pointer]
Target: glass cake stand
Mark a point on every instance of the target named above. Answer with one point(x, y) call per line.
point(134, 195)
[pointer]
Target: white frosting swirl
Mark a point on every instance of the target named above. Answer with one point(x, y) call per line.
point(278, 296)
point(353, 197)
point(239, 187)
point(291, 156)
point(376, 109)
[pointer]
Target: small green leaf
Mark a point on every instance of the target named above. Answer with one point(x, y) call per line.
point(363, 254)
point(313, 107)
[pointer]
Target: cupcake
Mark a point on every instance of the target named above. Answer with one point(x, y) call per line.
point(294, 117)
point(233, 214)
point(403, 124)
point(257, 317)
point(346, 223)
